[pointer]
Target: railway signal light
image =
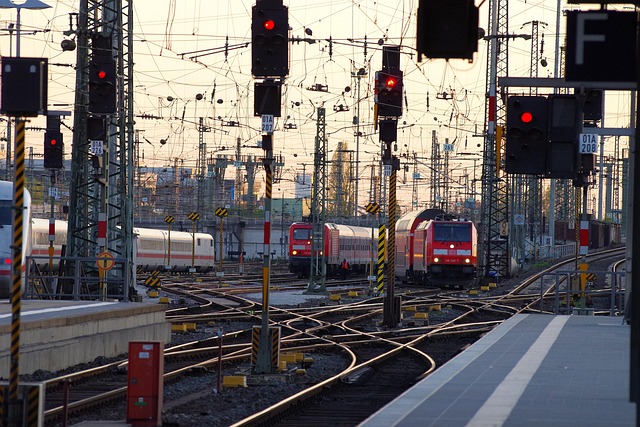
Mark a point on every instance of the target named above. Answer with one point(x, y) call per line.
point(53, 149)
point(388, 94)
point(102, 86)
point(447, 29)
point(563, 135)
point(270, 41)
point(527, 135)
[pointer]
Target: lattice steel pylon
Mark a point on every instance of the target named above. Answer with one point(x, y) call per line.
point(436, 172)
point(203, 207)
point(495, 211)
point(104, 187)
point(318, 208)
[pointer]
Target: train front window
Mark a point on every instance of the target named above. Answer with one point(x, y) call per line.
point(451, 232)
point(5, 212)
point(302, 234)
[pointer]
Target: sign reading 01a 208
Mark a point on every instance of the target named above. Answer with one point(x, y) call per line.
point(587, 143)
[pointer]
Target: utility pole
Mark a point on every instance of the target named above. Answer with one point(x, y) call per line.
point(270, 64)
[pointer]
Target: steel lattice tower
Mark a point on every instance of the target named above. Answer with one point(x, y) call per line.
point(436, 174)
point(107, 188)
point(495, 248)
point(203, 207)
point(318, 207)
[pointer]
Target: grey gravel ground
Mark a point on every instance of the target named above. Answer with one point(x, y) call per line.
point(195, 400)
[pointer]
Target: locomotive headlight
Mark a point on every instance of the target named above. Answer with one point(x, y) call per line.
point(436, 259)
point(451, 246)
point(467, 260)
point(294, 252)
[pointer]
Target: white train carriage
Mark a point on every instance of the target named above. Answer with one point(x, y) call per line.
point(152, 250)
point(6, 236)
point(150, 247)
point(40, 242)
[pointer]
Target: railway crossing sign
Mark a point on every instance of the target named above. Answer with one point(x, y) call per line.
point(169, 219)
point(222, 212)
point(372, 208)
point(105, 261)
point(194, 216)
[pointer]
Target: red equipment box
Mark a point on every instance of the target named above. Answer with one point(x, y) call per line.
point(145, 384)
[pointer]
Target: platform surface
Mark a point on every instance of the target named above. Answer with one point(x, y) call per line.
point(532, 370)
point(37, 312)
point(57, 334)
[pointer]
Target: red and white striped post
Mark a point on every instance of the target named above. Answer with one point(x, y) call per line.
point(102, 229)
point(584, 238)
point(52, 237)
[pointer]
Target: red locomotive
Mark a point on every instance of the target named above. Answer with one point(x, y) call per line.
point(356, 245)
point(436, 249)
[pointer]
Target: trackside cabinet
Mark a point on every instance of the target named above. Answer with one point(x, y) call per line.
point(144, 385)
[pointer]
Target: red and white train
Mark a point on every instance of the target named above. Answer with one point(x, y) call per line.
point(436, 249)
point(357, 245)
point(150, 246)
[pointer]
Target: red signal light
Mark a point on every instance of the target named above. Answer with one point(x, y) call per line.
point(526, 117)
point(391, 82)
point(53, 141)
point(269, 24)
point(102, 74)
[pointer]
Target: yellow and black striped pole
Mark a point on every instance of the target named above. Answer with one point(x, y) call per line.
point(381, 250)
point(16, 289)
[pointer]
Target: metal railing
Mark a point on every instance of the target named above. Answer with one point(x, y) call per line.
point(76, 278)
point(568, 285)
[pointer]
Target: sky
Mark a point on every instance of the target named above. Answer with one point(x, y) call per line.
point(179, 48)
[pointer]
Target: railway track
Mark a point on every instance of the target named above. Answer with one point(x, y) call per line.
point(348, 331)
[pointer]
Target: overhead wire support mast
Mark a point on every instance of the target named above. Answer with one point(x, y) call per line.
point(103, 146)
point(318, 271)
point(495, 248)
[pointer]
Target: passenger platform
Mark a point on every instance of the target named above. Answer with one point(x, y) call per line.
point(57, 334)
point(532, 370)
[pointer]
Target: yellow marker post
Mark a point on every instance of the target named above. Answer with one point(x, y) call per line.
point(583, 281)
